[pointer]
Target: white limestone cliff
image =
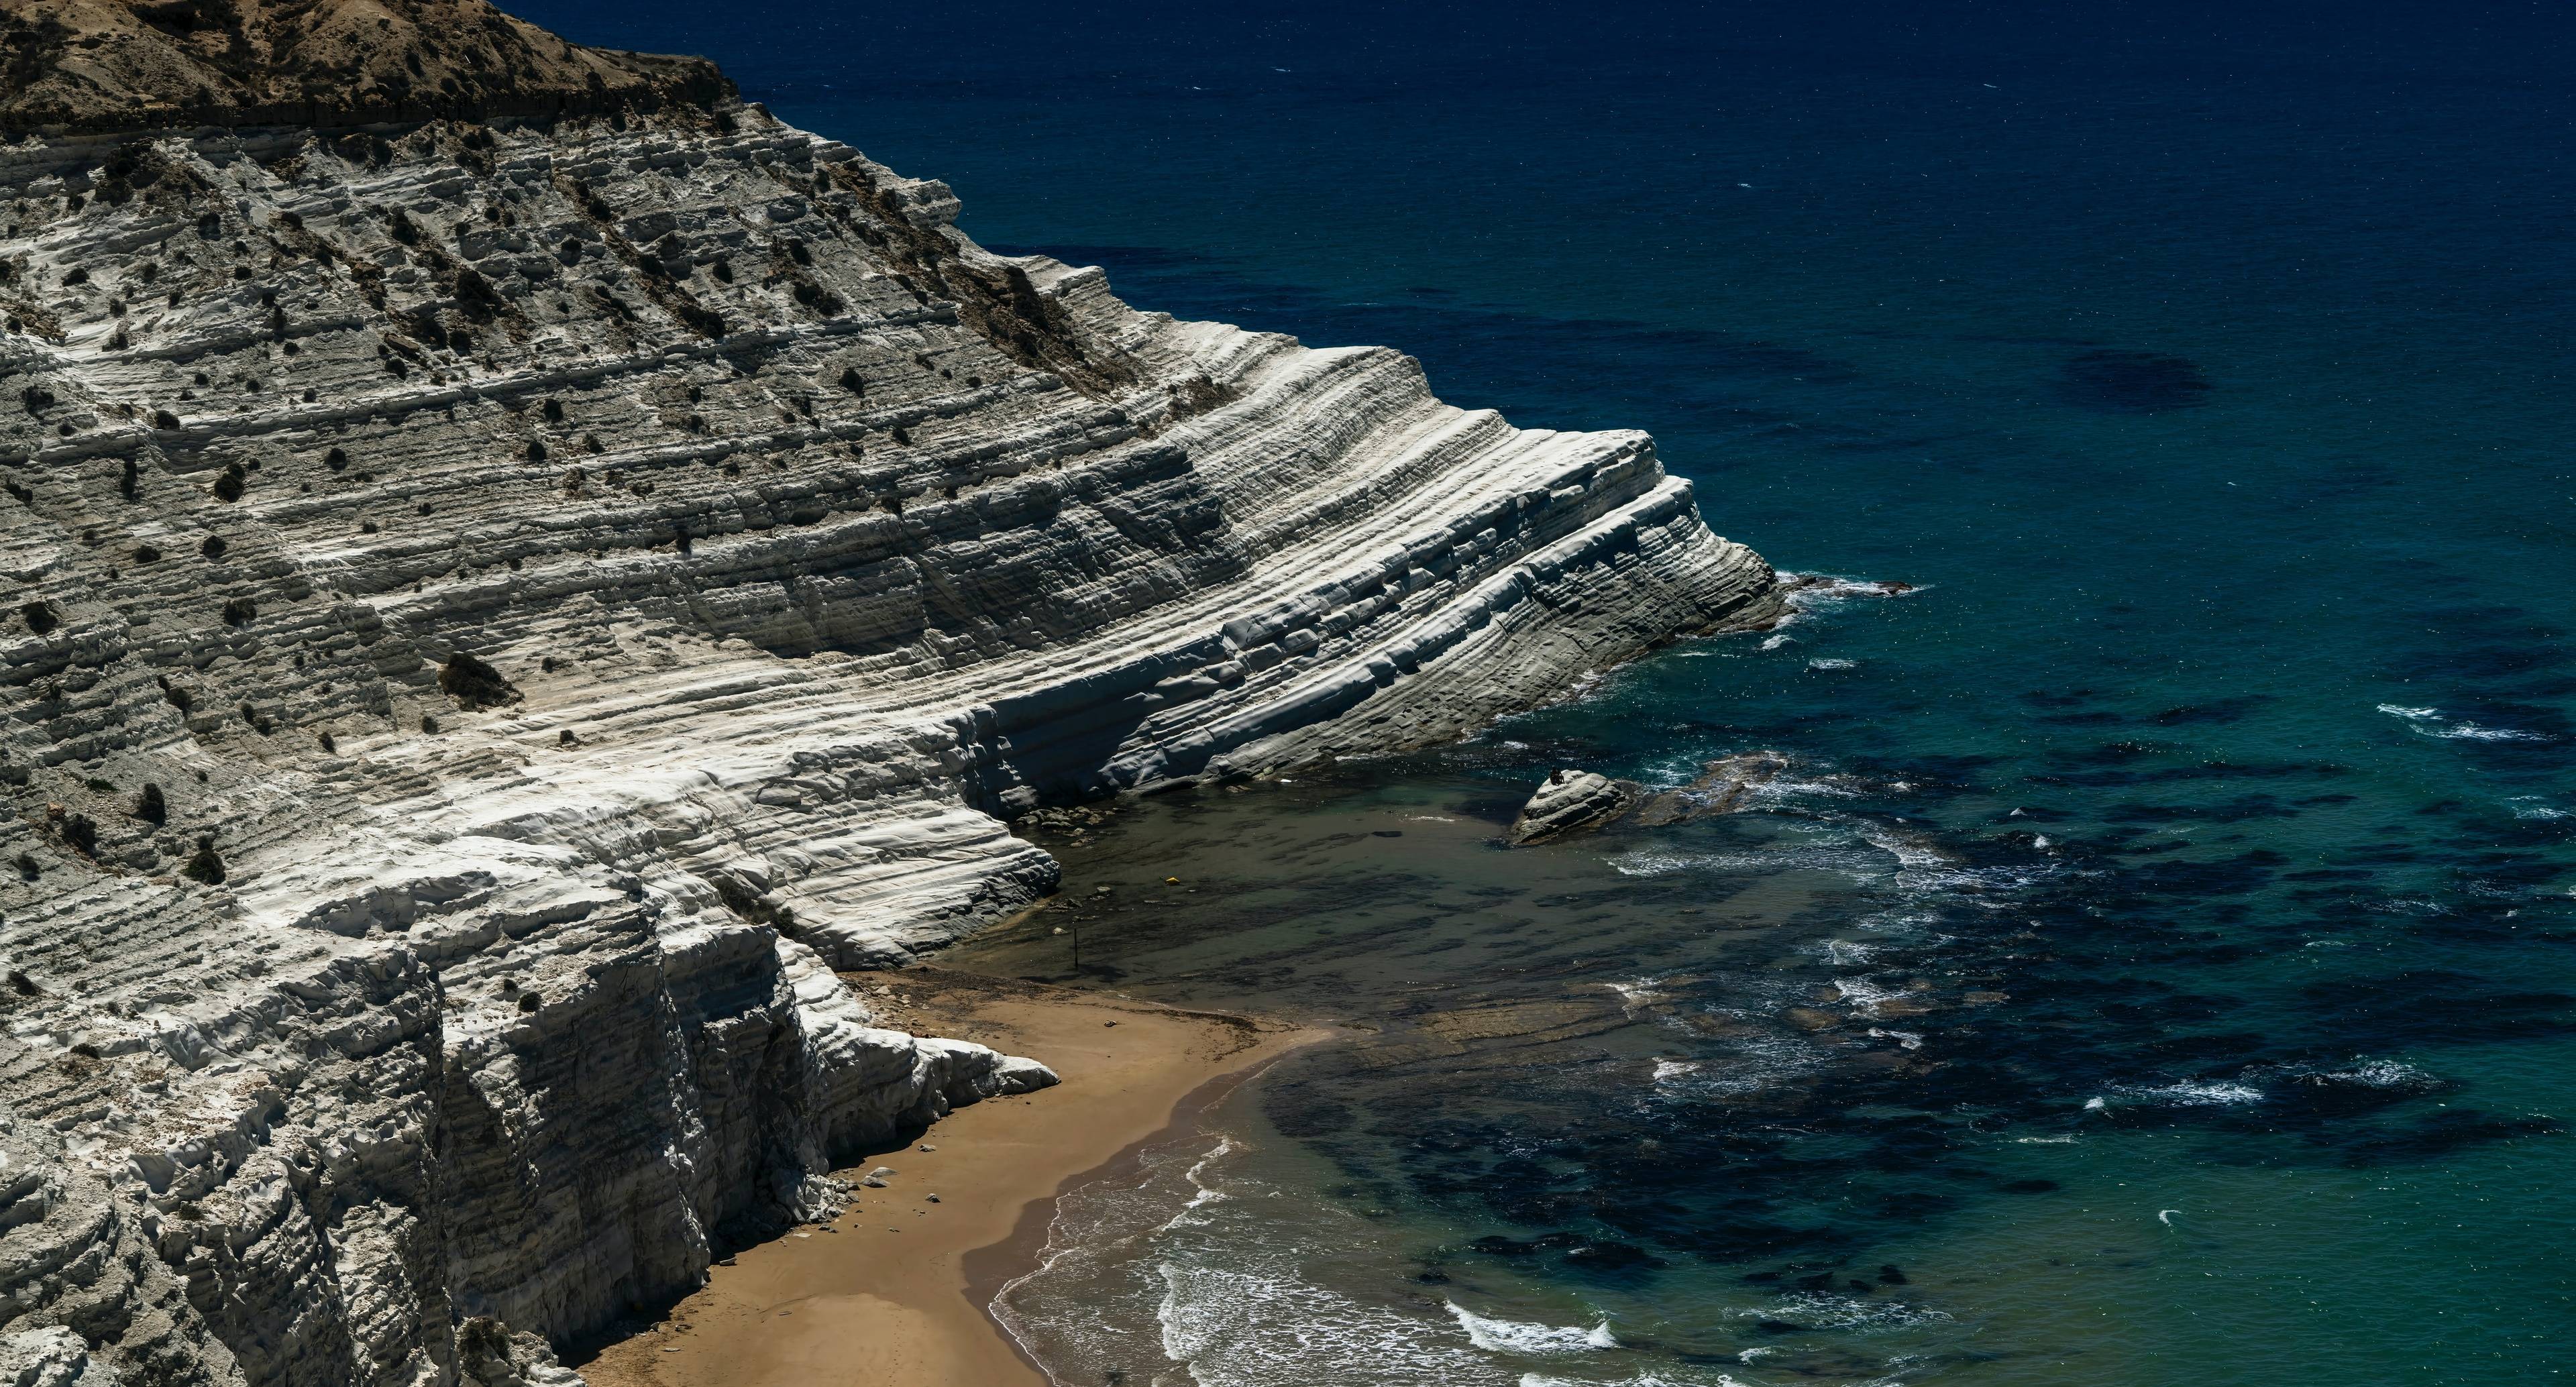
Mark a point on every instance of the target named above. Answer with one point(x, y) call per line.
point(495, 613)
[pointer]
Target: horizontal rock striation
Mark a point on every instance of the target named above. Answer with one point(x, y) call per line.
point(1569, 802)
point(495, 611)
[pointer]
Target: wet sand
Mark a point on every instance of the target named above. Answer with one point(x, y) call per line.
point(893, 1293)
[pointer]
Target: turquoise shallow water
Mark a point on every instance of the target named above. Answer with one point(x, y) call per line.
point(2159, 952)
point(1581, 1093)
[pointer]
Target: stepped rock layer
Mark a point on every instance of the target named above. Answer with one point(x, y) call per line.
point(496, 611)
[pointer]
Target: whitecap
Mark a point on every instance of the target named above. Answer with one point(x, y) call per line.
point(1654, 864)
point(1827, 1311)
point(1756, 1063)
point(1205, 1193)
point(1668, 1070)
point(1909, 850)
point(1807, 855)
point(1865, 996)
point(1774, 642)
point(1786, 793)
point(1522, 1336)
point(1847, 953)
point(1633, 995)
point(1909, 1040)
point(2187, 1094)
point(2427, 722)
point(2361, 1073)
point(2383, 1074)
point(2471, 732)
point(1815, 592)
point(1831, 664)
point(1261, 1323)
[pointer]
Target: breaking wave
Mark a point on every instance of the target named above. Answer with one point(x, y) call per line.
point(1518, 1336)
point(2429, 722)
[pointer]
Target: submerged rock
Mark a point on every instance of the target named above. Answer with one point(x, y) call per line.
point(1572, 802)
point(1721, 789)
point(2115, 381)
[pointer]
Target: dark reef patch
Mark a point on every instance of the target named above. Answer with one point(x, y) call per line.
point(2442, 1133)
point(2114, 381)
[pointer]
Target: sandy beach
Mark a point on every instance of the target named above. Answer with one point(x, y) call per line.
point(892, 1294)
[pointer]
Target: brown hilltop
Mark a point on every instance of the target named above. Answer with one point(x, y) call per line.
point(97, 65)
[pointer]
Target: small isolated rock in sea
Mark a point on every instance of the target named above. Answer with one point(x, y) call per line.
point(1572, 802)
point(1814, 585)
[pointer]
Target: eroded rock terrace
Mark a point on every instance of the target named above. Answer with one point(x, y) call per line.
point(497, 611)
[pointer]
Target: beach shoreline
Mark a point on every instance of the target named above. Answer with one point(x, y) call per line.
point(897, 1291)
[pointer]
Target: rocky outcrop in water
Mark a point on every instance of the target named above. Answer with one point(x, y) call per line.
point(499, 606)
point(1571, 802)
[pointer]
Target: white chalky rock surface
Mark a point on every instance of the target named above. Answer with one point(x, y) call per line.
point(1570, 801)
point(806, 541)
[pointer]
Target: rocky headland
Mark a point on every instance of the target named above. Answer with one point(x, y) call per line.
point(518, 565)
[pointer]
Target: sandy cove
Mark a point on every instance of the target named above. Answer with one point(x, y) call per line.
point(893, 1293)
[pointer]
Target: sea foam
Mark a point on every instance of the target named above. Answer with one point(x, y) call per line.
point(2428, 722)
point(1521, 1336)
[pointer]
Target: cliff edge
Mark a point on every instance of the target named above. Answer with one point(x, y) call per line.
point(497, 602)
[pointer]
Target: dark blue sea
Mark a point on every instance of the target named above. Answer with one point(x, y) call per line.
point(2158, 964)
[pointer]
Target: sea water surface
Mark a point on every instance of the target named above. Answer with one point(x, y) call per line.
point(2157, 965)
